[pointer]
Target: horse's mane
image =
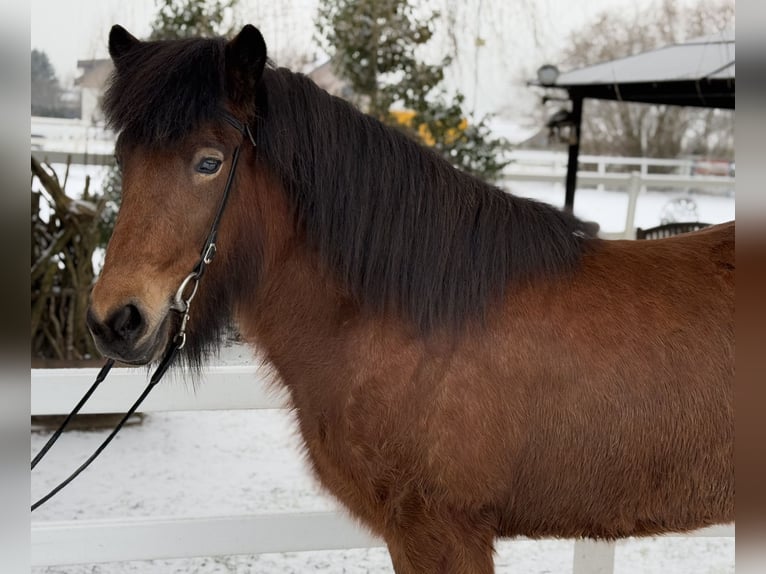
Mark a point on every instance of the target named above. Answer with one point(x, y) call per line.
point(403, 230)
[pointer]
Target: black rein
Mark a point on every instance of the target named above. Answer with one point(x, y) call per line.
point(182, 302)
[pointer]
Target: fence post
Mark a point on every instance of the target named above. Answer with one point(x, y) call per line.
point(634, 188)
point(601, 170)
point(593, 557)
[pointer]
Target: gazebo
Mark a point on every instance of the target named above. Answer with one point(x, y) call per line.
point(699, 72)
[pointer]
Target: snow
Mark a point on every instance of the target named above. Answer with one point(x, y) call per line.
point(70, 136)
point(513, 131)
point(75, 183)
point(609, 207)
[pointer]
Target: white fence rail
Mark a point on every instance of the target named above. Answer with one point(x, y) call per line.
point(54, 391)
point(158, 538)
point(634, 183)
point(557, 161)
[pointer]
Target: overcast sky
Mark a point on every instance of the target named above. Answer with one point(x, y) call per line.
point(71, 30)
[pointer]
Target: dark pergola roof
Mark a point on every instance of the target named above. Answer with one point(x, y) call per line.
point(699, 72)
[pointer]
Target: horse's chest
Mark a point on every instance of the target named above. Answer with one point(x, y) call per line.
point(351, 469)
point(359, 446)
point(380, 442)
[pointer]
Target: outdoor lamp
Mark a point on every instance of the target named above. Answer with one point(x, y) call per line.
point(547, 74)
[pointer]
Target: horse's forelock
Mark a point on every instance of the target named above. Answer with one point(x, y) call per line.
point(161, 91)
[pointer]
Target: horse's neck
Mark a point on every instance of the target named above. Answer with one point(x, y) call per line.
point(297, 314)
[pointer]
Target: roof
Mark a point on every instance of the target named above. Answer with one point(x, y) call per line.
point(94, 72)
point(328, 79)
point(699, 72)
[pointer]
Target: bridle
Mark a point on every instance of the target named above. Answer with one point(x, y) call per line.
point(181, 303)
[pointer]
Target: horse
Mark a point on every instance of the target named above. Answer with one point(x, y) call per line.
point(463, 364)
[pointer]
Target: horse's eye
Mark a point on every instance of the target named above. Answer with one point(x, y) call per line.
point(209, 165)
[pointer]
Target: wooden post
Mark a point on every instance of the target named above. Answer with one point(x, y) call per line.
point(574, 152)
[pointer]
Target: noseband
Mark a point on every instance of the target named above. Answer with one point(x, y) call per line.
point(181, 303)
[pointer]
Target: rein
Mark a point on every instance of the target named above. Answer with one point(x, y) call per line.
point(181, 303)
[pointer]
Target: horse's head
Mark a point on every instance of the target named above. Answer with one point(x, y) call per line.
point(170, 102)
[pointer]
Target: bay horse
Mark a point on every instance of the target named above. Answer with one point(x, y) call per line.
point(463, 364)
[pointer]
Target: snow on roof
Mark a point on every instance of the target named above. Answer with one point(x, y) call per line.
point(710, 57)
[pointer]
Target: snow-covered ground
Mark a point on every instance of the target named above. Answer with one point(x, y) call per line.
point(217, 463)
point(609, 207)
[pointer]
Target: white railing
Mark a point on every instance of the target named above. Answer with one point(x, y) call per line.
point(634, 183)
point(54, 139)
point(557, 161)
point(54, 391)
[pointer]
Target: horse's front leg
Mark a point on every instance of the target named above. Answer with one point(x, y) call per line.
point(430, 545)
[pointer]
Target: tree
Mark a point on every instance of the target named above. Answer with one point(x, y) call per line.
point(65, 233)
point(45, 85)
point(374, 46)
point(187, 18)
point(645, 130)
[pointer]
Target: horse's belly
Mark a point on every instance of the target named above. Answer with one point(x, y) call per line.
point(612, 480)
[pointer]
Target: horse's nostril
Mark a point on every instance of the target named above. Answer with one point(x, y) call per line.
point(119, 335)
point(127, 323)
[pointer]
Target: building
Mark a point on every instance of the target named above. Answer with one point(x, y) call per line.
point(92, 83)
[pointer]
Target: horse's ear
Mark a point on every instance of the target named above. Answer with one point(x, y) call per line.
point(121, 42)
point(245, 60)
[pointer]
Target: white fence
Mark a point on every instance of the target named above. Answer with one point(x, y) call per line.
point(557, 161)
point(55, 391)
point(610, 172)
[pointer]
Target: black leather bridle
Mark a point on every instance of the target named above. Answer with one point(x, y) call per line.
point(181, 303)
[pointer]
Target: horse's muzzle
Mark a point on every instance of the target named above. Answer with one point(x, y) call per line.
point(121, 335)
